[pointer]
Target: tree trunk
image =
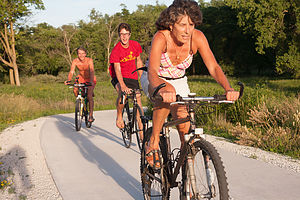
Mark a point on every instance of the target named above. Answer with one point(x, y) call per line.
point(11, 76)
point(16, 73)
point(7, 40)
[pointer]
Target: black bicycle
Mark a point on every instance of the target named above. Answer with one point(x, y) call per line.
point(130, 118)
point(81, 105)
point(203, 174)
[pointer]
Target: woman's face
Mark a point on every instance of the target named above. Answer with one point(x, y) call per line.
point(183, 29)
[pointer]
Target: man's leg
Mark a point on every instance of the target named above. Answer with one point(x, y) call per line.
point(91, 102)
point(119, 120)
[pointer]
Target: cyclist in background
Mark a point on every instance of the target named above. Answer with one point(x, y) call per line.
point(172, 50)
point(124, 59)
point(85, 66)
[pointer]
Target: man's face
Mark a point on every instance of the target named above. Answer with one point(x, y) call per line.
point(124, 36)
point(81, 54)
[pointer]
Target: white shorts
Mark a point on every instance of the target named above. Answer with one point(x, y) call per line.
point(181, 86)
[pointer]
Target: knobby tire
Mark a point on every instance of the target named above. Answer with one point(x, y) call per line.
point(201, 150)
point(78, 115)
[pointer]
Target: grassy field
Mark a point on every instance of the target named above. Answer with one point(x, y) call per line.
point(268, 115)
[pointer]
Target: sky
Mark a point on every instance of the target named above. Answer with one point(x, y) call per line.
point(63, 12)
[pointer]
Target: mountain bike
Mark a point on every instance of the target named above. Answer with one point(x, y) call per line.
point(81, 105)
point(130, 118)
point(202, 170)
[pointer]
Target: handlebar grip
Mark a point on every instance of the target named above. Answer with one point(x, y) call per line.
point(220, 97)
point(241, 89)
point(178, 97)
point(155, 96)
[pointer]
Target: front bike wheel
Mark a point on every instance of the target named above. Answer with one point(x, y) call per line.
point(154, 182)
point(136, 128)
point(207, 168)
point(127, 130)
point(86, 115)
point(78, 114)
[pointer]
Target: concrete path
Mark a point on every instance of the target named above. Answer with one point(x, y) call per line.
point(94, 164)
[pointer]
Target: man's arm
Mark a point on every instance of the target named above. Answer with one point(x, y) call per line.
point(139, 64)
point(72, 70)
point(92, 71)
point(117, 67)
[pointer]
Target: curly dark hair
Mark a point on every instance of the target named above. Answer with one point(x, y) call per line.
point(170, 15)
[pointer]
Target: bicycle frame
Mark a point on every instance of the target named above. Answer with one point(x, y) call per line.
point(83, 100)
point(184, 151)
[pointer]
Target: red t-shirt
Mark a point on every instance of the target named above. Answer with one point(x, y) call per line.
point(126, 57)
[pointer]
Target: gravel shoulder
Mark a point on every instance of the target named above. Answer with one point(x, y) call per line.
point(23, 161)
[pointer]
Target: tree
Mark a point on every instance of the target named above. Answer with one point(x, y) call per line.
point(275, 26)
point(10, 12)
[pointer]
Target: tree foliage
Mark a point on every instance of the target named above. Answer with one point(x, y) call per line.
point(248, 37)
point(275, 25)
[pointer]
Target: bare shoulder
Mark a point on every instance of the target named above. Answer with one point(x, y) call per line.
point(198, 35)
point(159, 39)
point(75, 61)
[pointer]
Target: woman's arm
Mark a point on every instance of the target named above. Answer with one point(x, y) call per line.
point(213, 67)
point(209, 60)
point(158, 46)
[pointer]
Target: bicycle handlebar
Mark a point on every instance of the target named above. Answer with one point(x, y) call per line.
point(141, 68)
point(86, 84)
point(214, 99)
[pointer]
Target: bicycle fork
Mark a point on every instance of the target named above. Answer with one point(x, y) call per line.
point(191, 185)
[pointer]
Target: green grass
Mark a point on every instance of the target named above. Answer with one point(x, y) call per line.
point(242, 122)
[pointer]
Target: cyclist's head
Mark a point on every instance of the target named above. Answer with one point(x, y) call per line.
point(81, 48)
point(176, 10)
point(124, 26)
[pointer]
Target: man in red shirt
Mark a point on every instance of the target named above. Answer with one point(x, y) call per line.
point(124, 59)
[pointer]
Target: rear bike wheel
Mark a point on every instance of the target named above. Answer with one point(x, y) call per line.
point(154, 182)
point(136, 128)
point(78, 114)
point(127, 130)
point(208, 170)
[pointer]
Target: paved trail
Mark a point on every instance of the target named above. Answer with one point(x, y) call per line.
point(94, 164)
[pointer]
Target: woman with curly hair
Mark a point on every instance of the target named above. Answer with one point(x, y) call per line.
point(172, 50)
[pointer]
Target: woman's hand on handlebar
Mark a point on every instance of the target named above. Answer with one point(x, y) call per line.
point(67, 82)
point(232, 95)
point(167, 96)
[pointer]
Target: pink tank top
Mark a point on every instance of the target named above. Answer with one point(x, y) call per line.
point(168, 70)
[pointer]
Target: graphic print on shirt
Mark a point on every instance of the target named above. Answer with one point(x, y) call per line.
point(129, 57)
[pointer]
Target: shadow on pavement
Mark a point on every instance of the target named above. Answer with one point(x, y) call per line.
point(95, 155)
